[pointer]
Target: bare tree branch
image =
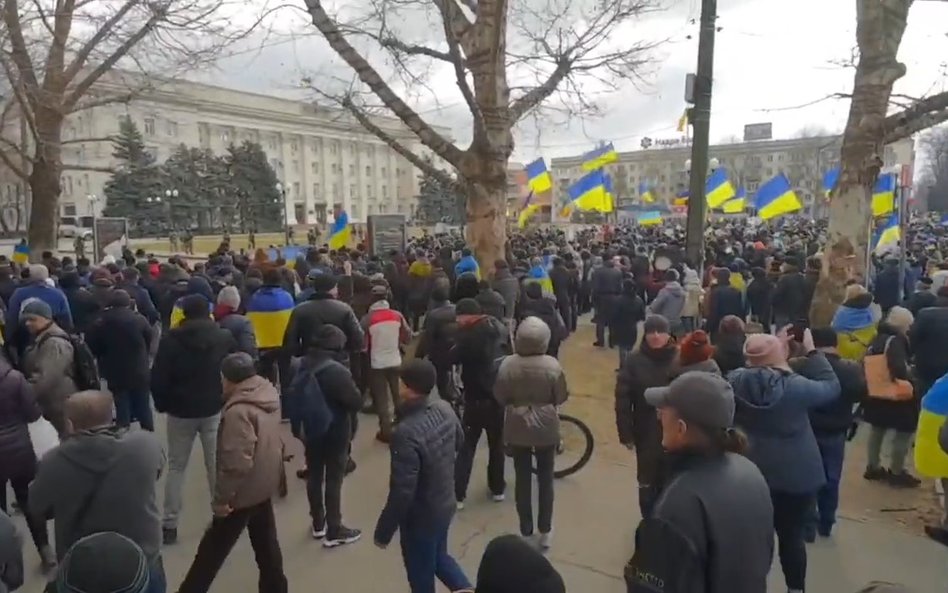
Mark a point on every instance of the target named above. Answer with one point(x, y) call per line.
point(924, 114)
point(103, 33)
point(71, 167)
point(87, 140)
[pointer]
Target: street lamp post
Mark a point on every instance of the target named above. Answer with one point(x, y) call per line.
point(286, 226)
point(169, 194)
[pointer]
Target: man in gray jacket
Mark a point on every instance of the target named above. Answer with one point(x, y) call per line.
point(100, 480)
point(669, 303)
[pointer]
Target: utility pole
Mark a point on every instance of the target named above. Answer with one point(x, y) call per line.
point(700, 118)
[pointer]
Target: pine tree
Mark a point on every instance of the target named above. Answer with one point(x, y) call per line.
point(136, 178)
point(439, 202)
point(258, 203)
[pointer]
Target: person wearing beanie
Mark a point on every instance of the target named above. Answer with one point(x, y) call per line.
point(325, 428)
point(773, 405)
point(530, 384)
point(227, 316)
point(131, 282)
point(48, 362)
point(121, 338)
point(534, 304)
point(651, 366)
point(723, 300)
point(511, 565)
point(112, 489)
point(16, 339)
point(421, 501)
point(250, 472)
point(186, 385)
point(885, 416)
point(831, 423)
point(855, 323)
point(386, 333)
point(712, 530)
point(695, 353)
point(105, 562)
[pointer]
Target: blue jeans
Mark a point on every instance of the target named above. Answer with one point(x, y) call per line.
point(426, 557)
point(133, 404)
point(832, 449)
point(156, 577)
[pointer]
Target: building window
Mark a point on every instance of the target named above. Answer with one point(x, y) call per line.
point(384, 192)
point(335, 190)
point(271, 143)
point(332, 167)
point(296, 188)
point(352, 169)
point(334, 148)
point(352, 190)
point(368, 171)
point(368, 190)
point(356, 211)
point(171, 128)
point(316, 145)
point(352, 148)
point(315, 190)
point(384, 172)
point(225, 136)
point(68, 209)
point(770, 158)
point(149, 126)
point(69, 185)
point(294, 146)
point(314, 167)
point(295, 166)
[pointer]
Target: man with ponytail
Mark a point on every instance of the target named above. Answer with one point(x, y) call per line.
point(712, 526)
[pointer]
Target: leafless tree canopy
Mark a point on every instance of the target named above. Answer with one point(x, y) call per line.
point(934, 145)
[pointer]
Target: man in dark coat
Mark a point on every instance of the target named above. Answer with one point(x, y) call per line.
point(131, 283)
point(491, 302)
point(921, 298)
point(437, 338)
point(929, 339)
point(789, 297)
point(322, 307)
point(723, 300)
point(535, 304)
point(120, 339)
point(606, 286)
point(885, 290)
point(81, 302)
point(562, 289)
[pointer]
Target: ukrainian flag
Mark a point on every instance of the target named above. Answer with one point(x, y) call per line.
point(538, 178)
point(340, 232)
point(683, 121)
point(269, 312)
point(889, 234)
point(883, 195)
point(776, 197)
point(177, 314)
point(589, 193)
point(681, 198)
point(650, 218)
point(527, 212)
point(718, 189)
point(737, 204)
point(830, 179)
point(930, 459)
point(540, 275)
point(609, 204)
point(645, 192)
point(21, 253)
point(598, 157)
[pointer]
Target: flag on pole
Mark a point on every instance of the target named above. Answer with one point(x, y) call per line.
point(718, 188)
point(830, 179)
point(645, 192)
point(589, 192)
point(652, 217)
point(538, 177)
point(340, 232)
point(776, 197)
point(888, 235)
point(683, 121)
point(600, 156)
point(883, 195)
point(21, 253)
point(737, 204)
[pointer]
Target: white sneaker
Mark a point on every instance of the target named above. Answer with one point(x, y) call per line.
point(498, 497)
point(546, 540)
point(460, 505)
point(318, 531)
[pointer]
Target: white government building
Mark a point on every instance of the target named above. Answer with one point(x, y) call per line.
point(322, 157)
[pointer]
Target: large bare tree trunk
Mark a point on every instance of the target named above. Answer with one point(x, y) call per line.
point(45, 184)
point(487, 225)
point(880, 26)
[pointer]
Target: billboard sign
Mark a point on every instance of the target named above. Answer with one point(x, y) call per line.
point(386, 233)
point(109, 236)
point(763, 131)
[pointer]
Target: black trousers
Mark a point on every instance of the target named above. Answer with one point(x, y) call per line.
point(481, 416)
point(275, 366)
point(326, 459)
point(220, 538)
point(791, 514)
point(21, 491)
point(523, 469)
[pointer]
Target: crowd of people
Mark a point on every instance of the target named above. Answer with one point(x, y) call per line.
point(732, 401)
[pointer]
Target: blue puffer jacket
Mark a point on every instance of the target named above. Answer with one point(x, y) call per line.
point(773, 409)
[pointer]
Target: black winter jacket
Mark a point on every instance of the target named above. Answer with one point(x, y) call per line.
point(929, 338)
point(83, 306)
point(545, 309)
point(18, 408)
point(479, 343)
point(835, 418)
point(789, 298)
point(120, 339)
point(723, 301)
point(424, 447)
point(143, 302)
point(629, 311)
point(729, 352)
point(759, 293)
point(308, 317)
point(437, 334)
point(186, 376)
point(492, 303)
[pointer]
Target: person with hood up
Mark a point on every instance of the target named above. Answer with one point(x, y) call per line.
point(227, 316)
point(508, 287)
point(186, 385)
point(534, 304)
point(465, 287)
point(49, 362)
point(249, 474)
point(831, 423)
point(102, 479)
point(653, 365)
point(530, 384)
point(386, 333)
point(723, 300)
point(327, 445)
point(18, 409)
point(885, 290)
point(467, 264)
point(855, 323)
point(419, 289)
point(669, 302)
point(691, 311)
point(711, 530)
point(481, 340)
point(695, 353)
point(196, 285)
point(120, 338)
point(773, 405)
point(884, 415)
point(630, 310)
point(760, 298)
point(511, 565)
point(82, 304)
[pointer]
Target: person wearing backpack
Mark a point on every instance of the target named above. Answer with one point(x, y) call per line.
point(49, 362)
point(325, 398)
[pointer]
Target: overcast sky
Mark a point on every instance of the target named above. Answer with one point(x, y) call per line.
point(769, 57)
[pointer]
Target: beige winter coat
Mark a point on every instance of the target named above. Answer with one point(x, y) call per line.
point(249, 445)
point(530, 384)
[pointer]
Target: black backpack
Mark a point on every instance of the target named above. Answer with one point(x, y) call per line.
point(85, 372)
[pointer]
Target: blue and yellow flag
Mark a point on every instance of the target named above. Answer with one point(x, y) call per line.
point(888, 235)
point(930, 459)
point(269, 313)
point(652, 217)
point(683, 121)
point(538, 178)
point(830, 179)
point(776, 197)
point(21, 253)
point(681, 198)
point(528, 210)
point(883, 195)
point(589, 192)
point(540, 275)
point(718, 189)
point(600, 156)
point(645, 192)
point(737, 204)
point(340, 233)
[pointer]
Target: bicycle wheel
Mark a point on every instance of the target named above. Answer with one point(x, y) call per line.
point(575, 448)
